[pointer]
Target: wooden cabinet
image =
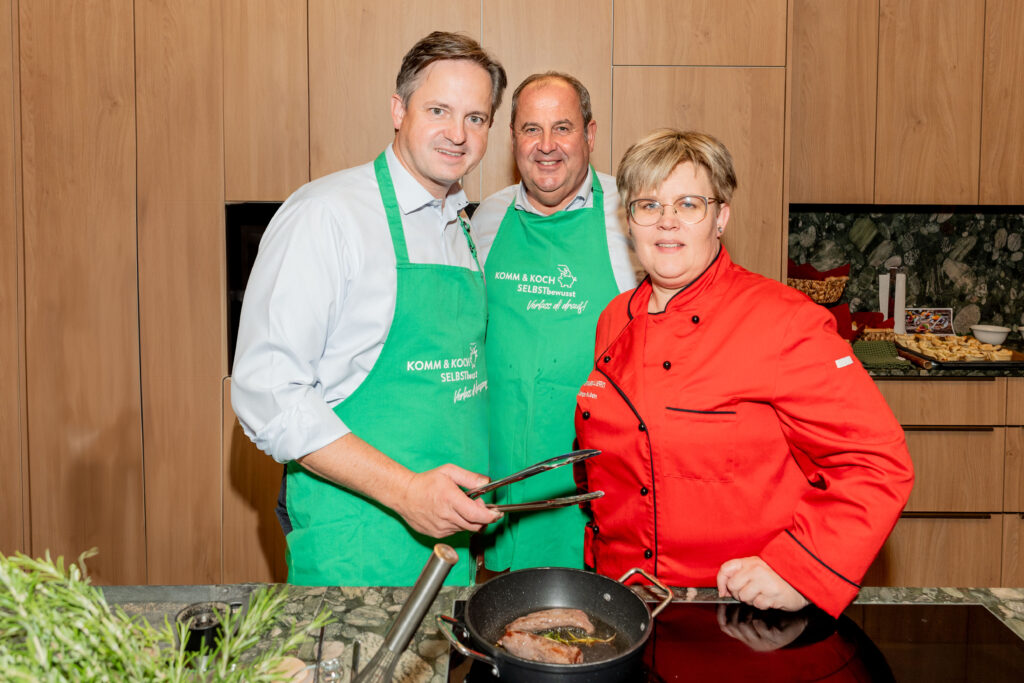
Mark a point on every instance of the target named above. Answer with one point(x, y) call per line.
point(945, 128)
point(81, 319)
point(1013, 499)
point(929, 101)
point(949, 551)
point(180, 199)
point(254, 545)
point(1015, 401)
point(956, 470)
point(1002, 120)
point(745, 108)
point(701, 32)
point(698, 65)
point(266, 99)
point(835, 58)
point(12, 529)
point(1013, 550)
point(959, 526)
point(954, 401)
point(504, 25)
point(355, 50)
point(1013, 472)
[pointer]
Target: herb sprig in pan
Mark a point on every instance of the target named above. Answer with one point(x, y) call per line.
point(568, 637)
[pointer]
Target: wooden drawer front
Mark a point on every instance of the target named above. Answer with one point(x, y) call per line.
point(946, 402)
point(1013, 472)
point(956, 470)
point(1015, 400)
point(940, 552)
point(1013, 552)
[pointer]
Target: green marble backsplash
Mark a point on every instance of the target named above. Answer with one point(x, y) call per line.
point(967, 258)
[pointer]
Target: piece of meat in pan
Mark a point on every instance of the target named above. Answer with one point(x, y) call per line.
point(552, 618)
point(540, 649)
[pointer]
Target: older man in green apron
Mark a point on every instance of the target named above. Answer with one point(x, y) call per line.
point(555, 252)
point(360, 353)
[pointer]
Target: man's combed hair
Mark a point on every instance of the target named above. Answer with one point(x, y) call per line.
point(442, 45)
point(586, 110)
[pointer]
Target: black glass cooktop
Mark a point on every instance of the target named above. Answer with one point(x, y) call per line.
point(868, 643)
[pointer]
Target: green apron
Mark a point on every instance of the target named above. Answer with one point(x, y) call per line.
point(424, 403)
point(548, 279)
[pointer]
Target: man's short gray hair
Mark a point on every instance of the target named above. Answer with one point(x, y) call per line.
point(585, 108)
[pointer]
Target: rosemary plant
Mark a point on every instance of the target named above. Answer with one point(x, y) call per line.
point(55, 626)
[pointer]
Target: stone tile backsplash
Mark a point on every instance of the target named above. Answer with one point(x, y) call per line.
point(971, 259)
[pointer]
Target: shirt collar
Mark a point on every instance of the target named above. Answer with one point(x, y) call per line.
point(413, 197)
point(584, 197)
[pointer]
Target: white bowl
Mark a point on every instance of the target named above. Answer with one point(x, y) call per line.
point(990, 334)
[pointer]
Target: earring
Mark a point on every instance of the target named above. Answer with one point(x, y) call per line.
point(720, 229)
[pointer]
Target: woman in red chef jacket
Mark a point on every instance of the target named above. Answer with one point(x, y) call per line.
point(744, 446)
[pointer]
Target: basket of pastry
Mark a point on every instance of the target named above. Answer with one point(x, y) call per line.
point(825, 291)
point(951, 348)
point(877, 334)
point(823, 286)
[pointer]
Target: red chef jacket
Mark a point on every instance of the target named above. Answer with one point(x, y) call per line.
point(737, 423)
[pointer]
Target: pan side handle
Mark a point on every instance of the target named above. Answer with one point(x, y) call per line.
point(668, 591)
point(449, 634)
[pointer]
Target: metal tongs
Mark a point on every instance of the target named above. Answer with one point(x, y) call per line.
point(543, 466)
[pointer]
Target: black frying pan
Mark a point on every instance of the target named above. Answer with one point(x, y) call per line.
point(509, 596)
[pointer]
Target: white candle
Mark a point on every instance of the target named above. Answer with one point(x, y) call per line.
point(900, 308)
point(883, 294)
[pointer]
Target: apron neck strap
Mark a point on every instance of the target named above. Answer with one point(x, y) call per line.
point(469, 240)
point(394, 215)
point(391, 210)
point(597, 190)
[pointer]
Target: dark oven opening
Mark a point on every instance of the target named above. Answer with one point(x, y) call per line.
point(244, 226)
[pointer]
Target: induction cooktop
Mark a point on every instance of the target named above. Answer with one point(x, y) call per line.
point(868, 643)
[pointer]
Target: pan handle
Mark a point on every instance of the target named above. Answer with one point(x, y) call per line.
point(668, 591)
point(449, 634)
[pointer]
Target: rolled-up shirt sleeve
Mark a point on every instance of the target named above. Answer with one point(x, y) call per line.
point(292, 299)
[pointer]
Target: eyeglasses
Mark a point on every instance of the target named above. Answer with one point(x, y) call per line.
point(690, 209)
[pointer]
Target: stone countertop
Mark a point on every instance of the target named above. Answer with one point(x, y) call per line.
point(915, 372)
point(362, 616)
point(956, 370)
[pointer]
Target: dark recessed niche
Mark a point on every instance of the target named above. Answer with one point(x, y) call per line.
point(244, 225)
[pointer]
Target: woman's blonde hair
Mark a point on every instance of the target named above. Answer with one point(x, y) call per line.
point(649, 161)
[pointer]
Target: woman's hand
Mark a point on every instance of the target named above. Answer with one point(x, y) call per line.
point(745, 625)
point(751, 580)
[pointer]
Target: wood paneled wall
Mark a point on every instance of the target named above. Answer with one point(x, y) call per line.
point(701, 33)
point(355, 49)
point(834, 72)
point(265, 99)
point(582, 48)
point(81, 288)
point(929, 127)
point(1002, 130)
point(743, 107)
point(181, 265)
point(12, 530)
point(254, 545)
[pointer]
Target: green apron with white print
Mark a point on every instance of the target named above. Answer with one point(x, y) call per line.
point(548, 279)
point(424, 404)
